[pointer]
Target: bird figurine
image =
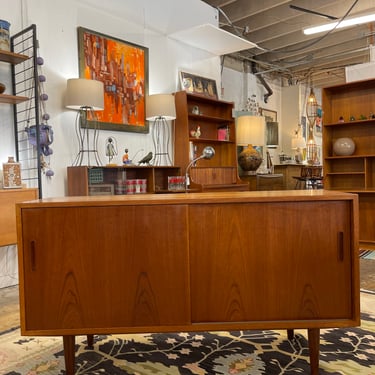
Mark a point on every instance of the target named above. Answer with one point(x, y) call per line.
point(146, 159)
point(196, 133)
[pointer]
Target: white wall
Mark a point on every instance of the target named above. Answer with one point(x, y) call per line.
point(143, 22)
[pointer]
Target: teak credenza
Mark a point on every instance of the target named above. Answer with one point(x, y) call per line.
point(189, 262)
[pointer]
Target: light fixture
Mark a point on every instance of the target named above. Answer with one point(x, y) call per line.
point(207, 153)
point(338, 25)
point(250, 130)
point(311, 114)
point(161, 108)
point(210, 38)
point(86, 96)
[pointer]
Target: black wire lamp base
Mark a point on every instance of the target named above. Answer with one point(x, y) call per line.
point(87, 145)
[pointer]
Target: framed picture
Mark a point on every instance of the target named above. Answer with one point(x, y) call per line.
point(198, 85)
point(123, 69)
point(271, 116)
point(272, 127)
point(318, 127)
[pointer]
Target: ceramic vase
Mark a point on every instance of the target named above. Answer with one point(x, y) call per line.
point(344, 147)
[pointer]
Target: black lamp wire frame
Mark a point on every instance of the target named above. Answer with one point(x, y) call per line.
point(87, 145)
point(161, 136)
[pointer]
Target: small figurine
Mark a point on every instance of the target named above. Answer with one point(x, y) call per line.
point(352, 118)
point(195, 110)
point(196, 133)
point(125, 157)
point(110, 148)
point(341, 119)
point(146, 159)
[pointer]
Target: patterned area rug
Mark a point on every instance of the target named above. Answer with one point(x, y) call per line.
point(367, 254)
point(342, 351)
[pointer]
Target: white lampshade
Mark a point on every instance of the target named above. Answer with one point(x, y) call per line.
point(84, 93)
point(160, 106)
point(298, 142)
point(250, 130)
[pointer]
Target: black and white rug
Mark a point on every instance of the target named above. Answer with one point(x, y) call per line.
point(342, 351)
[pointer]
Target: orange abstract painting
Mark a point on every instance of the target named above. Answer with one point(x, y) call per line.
point(123, 69)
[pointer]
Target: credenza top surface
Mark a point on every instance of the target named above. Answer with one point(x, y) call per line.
point(192, 198)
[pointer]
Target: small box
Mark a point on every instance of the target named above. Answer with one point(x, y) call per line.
point(101, 189)
point(223, 134)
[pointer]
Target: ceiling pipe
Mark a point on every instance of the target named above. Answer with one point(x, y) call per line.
point(262, 81)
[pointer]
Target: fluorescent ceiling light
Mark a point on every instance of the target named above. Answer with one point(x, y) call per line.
point(344, 23)
point(212, 39)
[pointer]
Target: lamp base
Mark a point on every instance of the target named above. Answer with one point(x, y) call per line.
point(250, 159)
point(87, 145)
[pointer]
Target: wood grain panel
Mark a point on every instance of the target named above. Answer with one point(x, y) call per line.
point(8, 200)
point(98, 267)
point(266, 262)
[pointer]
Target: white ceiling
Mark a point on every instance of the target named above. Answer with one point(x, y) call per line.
point(284, 50)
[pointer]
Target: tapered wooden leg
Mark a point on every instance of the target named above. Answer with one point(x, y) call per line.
point(90, 341)
point(290, 334)
point(314, 342)
point(69, 354)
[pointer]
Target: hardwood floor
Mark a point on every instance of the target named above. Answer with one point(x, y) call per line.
point(367, 269)
point(9, 308)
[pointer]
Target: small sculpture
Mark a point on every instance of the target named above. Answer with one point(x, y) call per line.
point(125, 158)
point(196, 133)
point(110, 148)
point(146, 159)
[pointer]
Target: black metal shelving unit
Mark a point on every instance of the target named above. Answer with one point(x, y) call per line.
point(26, 114)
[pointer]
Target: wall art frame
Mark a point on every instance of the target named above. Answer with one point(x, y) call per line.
point(272, 127)
point(123, 68)
point(198, 85)
point(318, 127)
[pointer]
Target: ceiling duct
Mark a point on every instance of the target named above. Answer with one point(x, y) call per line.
point(254, 70)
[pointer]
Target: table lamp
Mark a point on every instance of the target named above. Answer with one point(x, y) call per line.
point(161, 108)
point(298, 144)
point(250, 130)
point(86, 96)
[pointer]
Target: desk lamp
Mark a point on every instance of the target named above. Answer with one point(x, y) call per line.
point(160, 108)
point(250, 130)
point(86, 96)
point(207, 153)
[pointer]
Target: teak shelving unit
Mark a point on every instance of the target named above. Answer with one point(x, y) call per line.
point(354, 173)
point(221, 172)
point(79, 181)
point(14, 59)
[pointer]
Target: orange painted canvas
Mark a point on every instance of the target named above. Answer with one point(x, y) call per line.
point(123, 69)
